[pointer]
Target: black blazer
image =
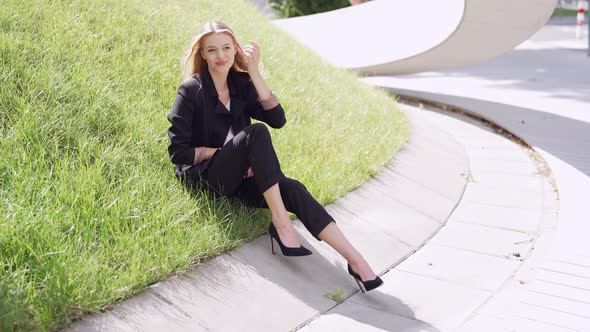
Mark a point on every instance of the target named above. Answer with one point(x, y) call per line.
point(199, 118)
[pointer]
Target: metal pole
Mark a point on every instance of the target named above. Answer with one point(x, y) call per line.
point(580, 19)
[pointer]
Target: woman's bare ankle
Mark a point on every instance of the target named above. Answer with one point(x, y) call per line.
point(287, 232)
point(362, 267)
point(281, 221)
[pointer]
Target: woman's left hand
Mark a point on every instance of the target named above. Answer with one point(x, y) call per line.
point(252, 56)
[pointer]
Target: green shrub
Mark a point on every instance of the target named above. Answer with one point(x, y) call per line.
point(292, 8)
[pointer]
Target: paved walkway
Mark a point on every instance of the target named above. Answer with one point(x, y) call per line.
point(482, 248)
point(447, 224)
point(462, 226)
point(540, 91)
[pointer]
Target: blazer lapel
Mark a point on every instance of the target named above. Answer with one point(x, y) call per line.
point(237, 112)
point(220, 108)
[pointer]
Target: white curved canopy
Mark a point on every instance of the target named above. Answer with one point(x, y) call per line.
point(388, 37)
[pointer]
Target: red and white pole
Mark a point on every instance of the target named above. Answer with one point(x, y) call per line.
point(580, 23)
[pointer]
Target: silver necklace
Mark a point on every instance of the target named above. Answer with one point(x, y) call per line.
point(219, 92)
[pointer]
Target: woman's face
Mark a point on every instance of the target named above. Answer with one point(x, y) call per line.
point(219, 51)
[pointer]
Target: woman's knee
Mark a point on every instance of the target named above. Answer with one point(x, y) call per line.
point(259, 131)
point(291, 186)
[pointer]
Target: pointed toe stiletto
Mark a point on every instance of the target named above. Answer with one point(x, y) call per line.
point(287, 251)
point(367, 285)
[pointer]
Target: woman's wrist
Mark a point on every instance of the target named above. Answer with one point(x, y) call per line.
point(260, 85)
point(255, 74)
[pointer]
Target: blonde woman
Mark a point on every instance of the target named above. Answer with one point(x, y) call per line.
point(214, 145)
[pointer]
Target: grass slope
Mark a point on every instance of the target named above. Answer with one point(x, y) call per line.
point(90, 210)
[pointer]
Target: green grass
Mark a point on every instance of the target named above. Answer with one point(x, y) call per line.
point(564, 12)
point(90, 210)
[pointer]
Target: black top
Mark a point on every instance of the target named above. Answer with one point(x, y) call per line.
point(199, 118)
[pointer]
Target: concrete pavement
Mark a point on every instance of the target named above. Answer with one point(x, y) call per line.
point(447, 224)
point(385, 37)
point(462, 225)
point(540, 91)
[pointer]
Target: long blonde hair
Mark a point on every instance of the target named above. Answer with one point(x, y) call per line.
point(193, 63)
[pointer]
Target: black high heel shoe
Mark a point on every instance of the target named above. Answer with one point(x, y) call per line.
point(367, 285)
point(287, 251)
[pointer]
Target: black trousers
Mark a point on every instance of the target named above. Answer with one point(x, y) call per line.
point(252, 147)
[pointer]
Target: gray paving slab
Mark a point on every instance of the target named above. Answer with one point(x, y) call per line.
point(448, 179)
point(544, 207)
point(413, 194)
point(422, 135)
point(484, 239)
point(444, 148)
point(393, 218)
point(371, 234)
point(564, 291)
point(482, 323)
point(408, 179)
point(420, 152)
point(498, 180)
point(466, 255)
point(485, 323)
point(148, 311)
point(100, 322)
point(523, 324)
point(220, 293)
point(490, 261)
point(516, 197)
point(582, 259)
point(351, 317)
point(549, 311)
point(511, 154)
point(561, 278)
point(559, 303)
point(386, 219)
point(442, 304)
point(371, 241)
point(479, 271)
point(575, 269)
point(509, 218)
point(367, 199)
point(539, 91)
point(502, 166)
point(306, 278)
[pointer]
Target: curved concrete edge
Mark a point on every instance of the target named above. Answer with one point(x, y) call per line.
point(548, 227)
point(554, 294)
point(348, 36)
point(487, 243)
point(488, 315)
point(457, 33)
point(387, 219)
point(445, 244)
point(488, 29)
point(544, 167)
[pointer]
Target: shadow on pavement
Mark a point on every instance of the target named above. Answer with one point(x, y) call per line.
point(557, 73)
point(309, 278)
point(563, 137)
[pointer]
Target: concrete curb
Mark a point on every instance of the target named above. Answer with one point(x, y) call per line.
point(421, 221)
point(385, 215)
